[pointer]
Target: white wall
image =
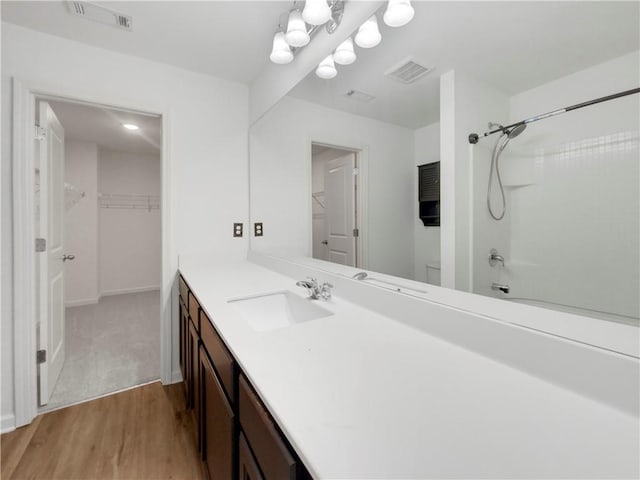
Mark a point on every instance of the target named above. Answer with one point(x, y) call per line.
point(207, 142)
point(281, 180)
point(574, 199)
point(81, 225)
point(130, 240)
point(466, 106)
point(426, 239)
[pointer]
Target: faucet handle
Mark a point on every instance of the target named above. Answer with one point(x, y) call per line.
point(325, 290)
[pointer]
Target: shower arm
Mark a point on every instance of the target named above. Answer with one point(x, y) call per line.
point(475, 138)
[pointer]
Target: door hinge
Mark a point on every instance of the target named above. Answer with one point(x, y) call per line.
point(41, 133)
point(41, 356)
point(356, 232)
point(41, 244)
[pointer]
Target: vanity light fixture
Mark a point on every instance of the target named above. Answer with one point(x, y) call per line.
point(299, 24)
point(131, 126)
point(345, 53)
point(316, 12)
point(368, 35)
point(327, 68)
point(398, 13)
point(281, 52)
point(297, 35)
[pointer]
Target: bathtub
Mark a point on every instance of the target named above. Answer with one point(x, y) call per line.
point(577, 311)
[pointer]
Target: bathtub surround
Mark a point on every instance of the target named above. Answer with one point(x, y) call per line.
point(572, 186)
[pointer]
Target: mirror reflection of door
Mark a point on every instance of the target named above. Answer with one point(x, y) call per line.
point(334, 205)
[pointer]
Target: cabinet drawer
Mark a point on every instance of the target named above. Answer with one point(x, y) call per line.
point(273, 456)
point(194, 309)
point(222, 359)
point(184, 290)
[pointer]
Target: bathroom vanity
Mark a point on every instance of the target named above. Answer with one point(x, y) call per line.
point(374, 383)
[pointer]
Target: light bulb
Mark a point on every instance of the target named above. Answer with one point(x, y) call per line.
point(281, 52)
point(316, 12)
point(368, 35)
point(327, 68)
point(344, 54)
point(296, 35)
point(398, 13)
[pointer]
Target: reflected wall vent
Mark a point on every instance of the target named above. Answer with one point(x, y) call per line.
point(101, 14)
point(357, 96)
point(407, 71)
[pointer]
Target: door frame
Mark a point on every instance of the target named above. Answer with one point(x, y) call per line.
point(24, 261)
point(362, 193)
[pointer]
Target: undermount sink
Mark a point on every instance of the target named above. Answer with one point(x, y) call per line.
point(269, 311)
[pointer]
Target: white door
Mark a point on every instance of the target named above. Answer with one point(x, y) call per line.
point(51, 262)
point(340, 216)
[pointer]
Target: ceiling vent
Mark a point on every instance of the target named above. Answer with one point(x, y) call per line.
point(407, 72)
point(357, 96)
point(100, 14)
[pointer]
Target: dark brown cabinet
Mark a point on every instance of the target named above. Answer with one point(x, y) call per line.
point(217, 423)
point(429, 194)
point(247, 466)
point(236, 435)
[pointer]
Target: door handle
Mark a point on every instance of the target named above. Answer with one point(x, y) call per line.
point(324, 242)
point(68, 257)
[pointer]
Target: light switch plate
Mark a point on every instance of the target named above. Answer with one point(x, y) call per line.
point(237, 229)
point(257, 229)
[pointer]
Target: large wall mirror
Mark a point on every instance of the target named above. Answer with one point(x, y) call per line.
point(373, 168)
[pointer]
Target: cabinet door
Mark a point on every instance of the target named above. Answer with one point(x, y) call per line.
point(217, 423)
point(247, 466)
point(184, 319)
point(194, 378)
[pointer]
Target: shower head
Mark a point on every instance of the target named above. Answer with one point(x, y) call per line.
point(515, 131)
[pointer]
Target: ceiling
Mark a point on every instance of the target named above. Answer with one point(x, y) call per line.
point(513, 46)
point(227, 39)
point(103, 126)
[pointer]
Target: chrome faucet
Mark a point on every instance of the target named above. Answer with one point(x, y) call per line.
point(315, 289)
point(500, 287)
point(495, 258)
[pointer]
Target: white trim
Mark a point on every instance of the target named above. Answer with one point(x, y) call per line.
point(25, 376)
point(44, 409)
point(109, 293)
point(362, 152)
point(124, 291)
point(25, 387)
point(7, 423)
point(176, 376)
point(82, 302)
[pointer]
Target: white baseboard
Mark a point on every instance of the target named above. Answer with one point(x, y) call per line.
point(176, 376)
point(122, 291)
point(7, 423)
point(82, 302)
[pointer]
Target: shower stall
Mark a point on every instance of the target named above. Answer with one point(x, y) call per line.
point(556, 211)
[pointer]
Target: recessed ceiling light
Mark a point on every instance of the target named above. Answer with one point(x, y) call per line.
point(130, 126)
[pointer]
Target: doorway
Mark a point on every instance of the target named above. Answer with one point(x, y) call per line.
point(98, 213)
point(335, 187)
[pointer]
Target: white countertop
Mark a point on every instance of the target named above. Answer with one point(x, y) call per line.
point(360, 395)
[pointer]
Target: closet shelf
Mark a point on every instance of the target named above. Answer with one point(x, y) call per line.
point(129, 201)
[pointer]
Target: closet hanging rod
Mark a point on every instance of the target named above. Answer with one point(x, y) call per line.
point(474, 137)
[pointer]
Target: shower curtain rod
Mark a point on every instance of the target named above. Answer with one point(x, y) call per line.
point(474, 137)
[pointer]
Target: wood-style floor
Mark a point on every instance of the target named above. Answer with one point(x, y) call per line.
point(143, 433)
